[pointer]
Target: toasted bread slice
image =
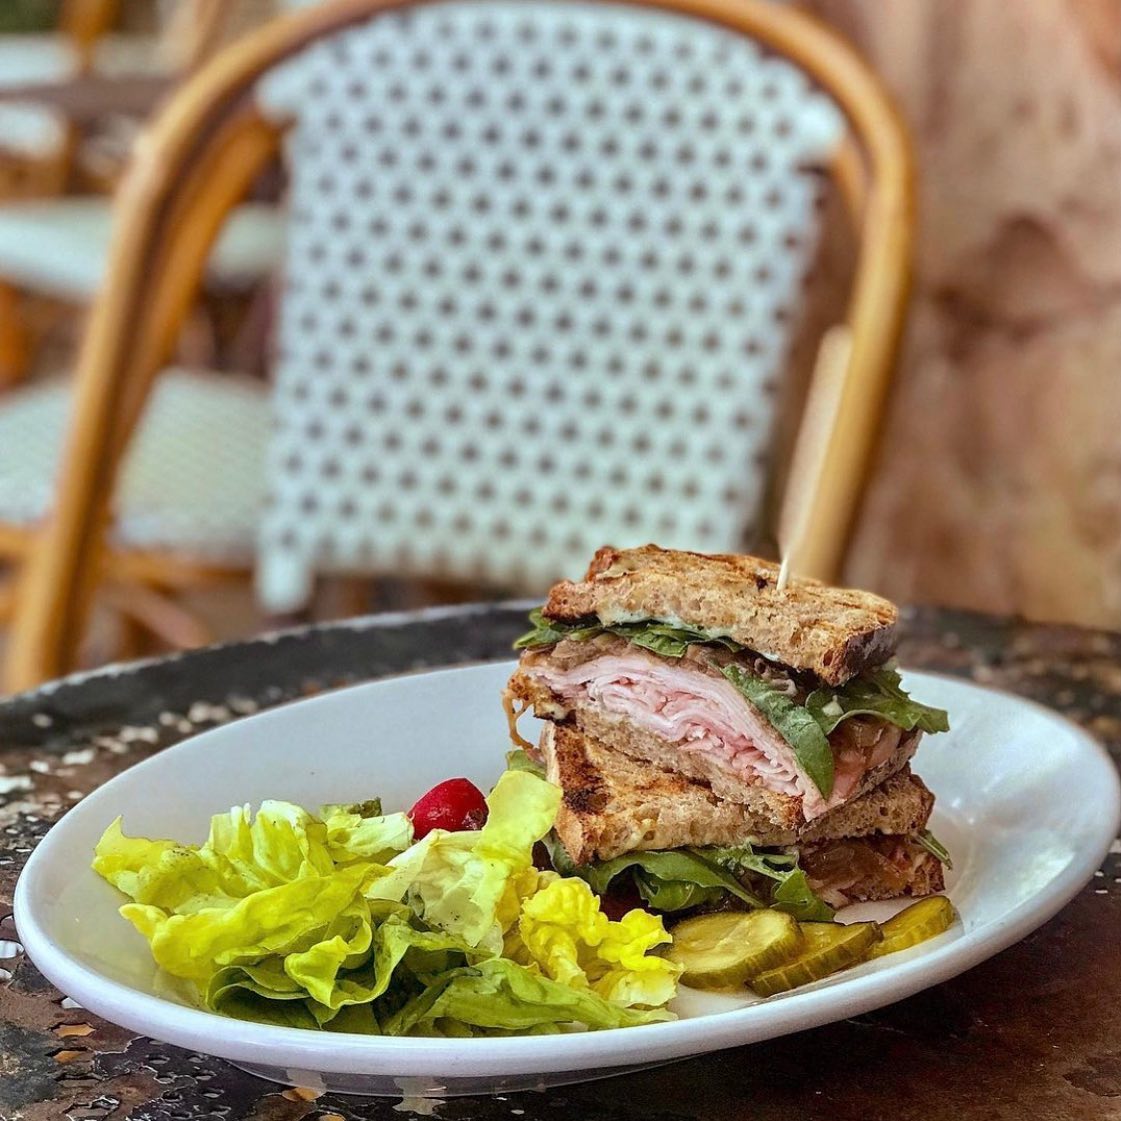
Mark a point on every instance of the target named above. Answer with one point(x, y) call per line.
point(834, 633)
point(779, 811)
point(614, 804)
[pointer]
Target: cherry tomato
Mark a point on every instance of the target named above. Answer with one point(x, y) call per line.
point(453, 805)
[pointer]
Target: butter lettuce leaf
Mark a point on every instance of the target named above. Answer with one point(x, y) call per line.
point(278, 920)
point(353, 835)
point(336, 973)
point(501, 994)
point(876, 693)
point(241, 855)
point(342, 922)
point(471, 884)
point(794, 723)
point(563, 932)
point(517, 759)
point(282, 843)
point(159, 873)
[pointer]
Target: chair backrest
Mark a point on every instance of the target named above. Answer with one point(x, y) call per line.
point(204, 152)
point(542, 270)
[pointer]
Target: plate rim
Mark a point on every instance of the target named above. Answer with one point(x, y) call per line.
point(346, 1053)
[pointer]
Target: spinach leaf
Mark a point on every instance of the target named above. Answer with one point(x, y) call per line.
point(679, 879)
point(934, 846)
point(673, 895)
point(791, 892)
point(878, 693)
point(660, 638)
point(670, 880)
point(793, 722)
point(744, 858)
point(680, 866)
point(545, 632)
point(794, 895)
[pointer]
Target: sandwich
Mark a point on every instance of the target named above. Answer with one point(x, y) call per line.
point(692, 703)
point(651, 828)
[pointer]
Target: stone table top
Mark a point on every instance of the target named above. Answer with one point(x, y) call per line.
point(1034, 1032)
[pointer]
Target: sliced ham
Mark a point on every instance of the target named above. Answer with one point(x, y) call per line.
point(704, 713)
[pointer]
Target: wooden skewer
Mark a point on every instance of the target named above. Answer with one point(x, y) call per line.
point(811, 449)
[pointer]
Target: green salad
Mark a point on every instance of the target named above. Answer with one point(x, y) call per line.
point(342, 921)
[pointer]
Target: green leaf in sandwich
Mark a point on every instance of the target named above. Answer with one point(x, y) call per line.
point(664, 639)
point(879, 693)
point(673, 880)
point(792, 721)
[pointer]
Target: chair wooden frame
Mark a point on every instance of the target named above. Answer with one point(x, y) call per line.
point(200, 157)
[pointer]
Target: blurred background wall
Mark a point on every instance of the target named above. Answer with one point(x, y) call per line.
point(999, 482)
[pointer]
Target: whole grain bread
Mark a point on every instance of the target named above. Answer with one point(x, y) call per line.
point(834, 633)
point(614, 804)
point(782, 811)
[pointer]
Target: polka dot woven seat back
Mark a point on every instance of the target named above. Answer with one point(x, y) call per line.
point(542, 267)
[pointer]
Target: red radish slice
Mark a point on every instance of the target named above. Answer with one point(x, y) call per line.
point(453, 805)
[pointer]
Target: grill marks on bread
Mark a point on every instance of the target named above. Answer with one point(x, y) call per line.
point(614, 804)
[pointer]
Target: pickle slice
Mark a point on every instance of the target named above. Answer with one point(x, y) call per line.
point(722, 950)
point(826, 948)
point(922, 920)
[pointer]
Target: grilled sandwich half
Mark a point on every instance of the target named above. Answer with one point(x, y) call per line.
point(784, 704)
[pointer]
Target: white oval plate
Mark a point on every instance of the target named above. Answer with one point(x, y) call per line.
point(1027, 803)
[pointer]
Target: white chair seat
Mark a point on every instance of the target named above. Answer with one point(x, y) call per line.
point(28, 59)
point(26, 128)
point(35, 130)
point(193, 480)
point(59, 247)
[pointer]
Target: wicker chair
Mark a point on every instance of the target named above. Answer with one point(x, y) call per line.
point(541, 279)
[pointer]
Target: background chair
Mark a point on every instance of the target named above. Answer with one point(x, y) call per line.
point(490, 394)
point(36, 142)
point(53, 246)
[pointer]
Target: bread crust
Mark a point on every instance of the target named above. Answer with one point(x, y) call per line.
point(834, 633)
point(613, 804)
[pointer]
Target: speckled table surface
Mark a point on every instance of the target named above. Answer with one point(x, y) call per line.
point(1033, 1033)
